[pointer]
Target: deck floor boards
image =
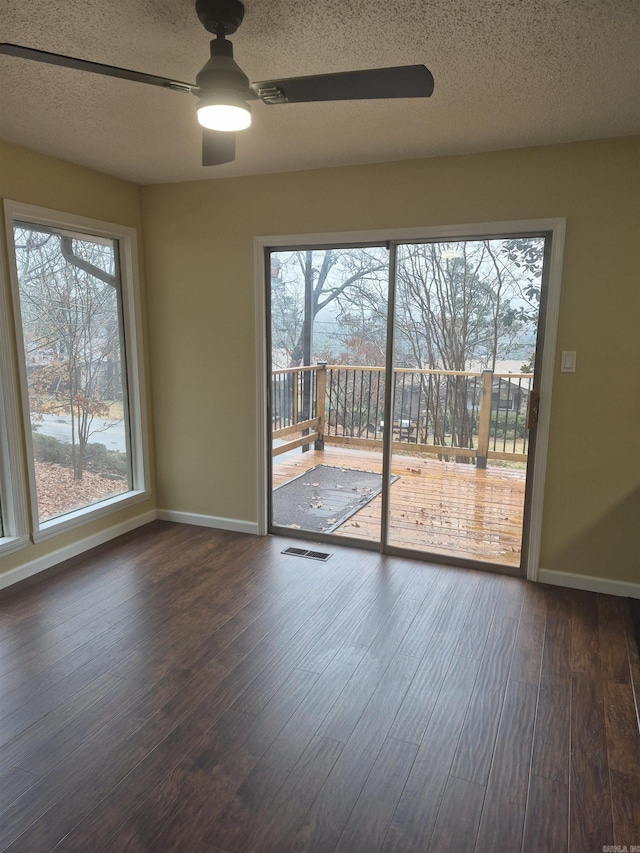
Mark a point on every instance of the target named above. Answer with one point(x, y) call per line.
point(436, 506)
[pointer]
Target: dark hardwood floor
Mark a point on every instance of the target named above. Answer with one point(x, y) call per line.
point(183, 689)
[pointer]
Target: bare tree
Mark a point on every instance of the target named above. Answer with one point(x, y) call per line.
point(308, 281)
point(458, 307)
point(69, 305)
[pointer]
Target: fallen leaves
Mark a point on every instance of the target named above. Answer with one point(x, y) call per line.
point(59, 493)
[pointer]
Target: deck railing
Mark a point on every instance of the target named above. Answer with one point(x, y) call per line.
point(455, 414)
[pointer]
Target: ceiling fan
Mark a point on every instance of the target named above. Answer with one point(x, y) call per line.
point(224, 91)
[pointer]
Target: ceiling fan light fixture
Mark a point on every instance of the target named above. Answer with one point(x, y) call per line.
point(226, 114)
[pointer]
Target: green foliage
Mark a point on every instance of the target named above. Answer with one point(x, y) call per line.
point(98, 459)
point(509, 428)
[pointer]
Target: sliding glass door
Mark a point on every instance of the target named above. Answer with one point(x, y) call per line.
point(403, 394)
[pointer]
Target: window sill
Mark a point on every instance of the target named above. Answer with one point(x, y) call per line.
point(71, 520)
point(9, 544)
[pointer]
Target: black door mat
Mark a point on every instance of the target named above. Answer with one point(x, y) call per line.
point(324, 497)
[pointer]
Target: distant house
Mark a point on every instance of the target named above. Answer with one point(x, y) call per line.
point(510, 387)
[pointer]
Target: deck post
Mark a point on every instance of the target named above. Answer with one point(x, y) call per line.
point(321, 399)
point(484, 419)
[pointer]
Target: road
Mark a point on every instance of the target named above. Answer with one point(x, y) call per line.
point(110, 434)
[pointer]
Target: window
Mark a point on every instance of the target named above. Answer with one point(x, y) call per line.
point(76, 325)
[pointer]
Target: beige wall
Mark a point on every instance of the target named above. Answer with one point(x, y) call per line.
point(44, 181)
point(198, 241)
point(199, 259)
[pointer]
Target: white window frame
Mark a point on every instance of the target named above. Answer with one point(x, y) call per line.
point(13, 498)
point(132, 325)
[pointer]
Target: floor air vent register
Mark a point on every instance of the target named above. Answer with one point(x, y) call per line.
point(310, 555)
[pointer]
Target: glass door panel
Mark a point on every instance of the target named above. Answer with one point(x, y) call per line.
point(328, 324)
point(465, 329)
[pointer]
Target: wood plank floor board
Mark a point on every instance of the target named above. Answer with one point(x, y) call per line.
point(19, 670)
point(116, 717)
point(249, 741)
point(247, 675)
point(625, 806)
point(59, 607)
point(552, 738)
point(399, 578)
point(128, 823)
point(62, 591)
point(13, 783)
point(413, 716)
point(393, 630)
point(446, 630)
point(458, 816)
point(261, 785)
point(511, 597)
point(231, 768)
point(55, 805)
point(474, 751)
point(343, 716)
point(27, 684)
point(623, 737)
point(368, 822)
point(342, 625)
point(219, 706)
point(345, 713)
point(502, 822)
point(40, 735)
point(253, 655)
point(313, 614)
point(422, 581)
point(296, 637)
point(330, 811)
point(591, 818)
point(273, 620)
point(547, 816)
point(417, 810)
point(414, 713)
point(202, 690)
point(238, 636)
point(529, 642)
point(80, 644)
point(436, 610)
point(557, 640)
point(21, 708)
point(275, 824)
point(633, 655)
point(235, 818)
point(475, 630)
point(613, 652)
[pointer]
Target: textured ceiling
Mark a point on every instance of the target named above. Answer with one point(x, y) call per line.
point(508, 73)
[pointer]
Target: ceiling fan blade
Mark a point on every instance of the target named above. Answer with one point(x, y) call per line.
point(94, 67)
point(218, 147)
point(406, 81)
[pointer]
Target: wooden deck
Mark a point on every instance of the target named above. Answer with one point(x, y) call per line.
point(440, 507)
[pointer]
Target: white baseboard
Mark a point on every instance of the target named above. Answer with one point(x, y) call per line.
point(40, 564)
point(590, 583)
point(215, 521)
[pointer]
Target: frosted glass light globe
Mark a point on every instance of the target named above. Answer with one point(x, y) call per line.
point(224, 117)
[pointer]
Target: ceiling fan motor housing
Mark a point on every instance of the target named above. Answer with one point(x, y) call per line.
point(217, 15)
point(221, 73)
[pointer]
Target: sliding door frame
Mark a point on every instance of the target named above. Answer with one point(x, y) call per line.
point(552, 229)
